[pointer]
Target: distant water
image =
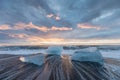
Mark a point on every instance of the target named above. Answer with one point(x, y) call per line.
point(107, 51)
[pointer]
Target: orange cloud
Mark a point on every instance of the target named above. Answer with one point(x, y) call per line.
point(41, 28)
point(19, 26)
point(22, 26)
point(35, 40)
point(21, 36)
point(5, 27)
point(45, 29)
point(87, 26)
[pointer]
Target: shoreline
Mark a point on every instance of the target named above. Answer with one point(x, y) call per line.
point(56, 68)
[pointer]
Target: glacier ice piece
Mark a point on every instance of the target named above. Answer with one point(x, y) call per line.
point(90, 54)
point(37, 59)
point(54, 50)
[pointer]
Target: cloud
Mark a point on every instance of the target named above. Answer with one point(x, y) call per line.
point(20, 36)
point(73, 12)
point(50, 15)
point(87, 26)
point(55, 17)
point(43, 28)
point(39, 39)
point(60, 29)
point(23, 26)
point(78, 19)
point(5, 27)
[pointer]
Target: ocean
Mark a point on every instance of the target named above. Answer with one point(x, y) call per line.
point(106, 51)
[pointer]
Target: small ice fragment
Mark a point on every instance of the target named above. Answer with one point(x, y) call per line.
point(22, 59)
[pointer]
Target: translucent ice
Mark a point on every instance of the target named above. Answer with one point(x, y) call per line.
point(54, 50)
point(37, 59)
point(89, 54)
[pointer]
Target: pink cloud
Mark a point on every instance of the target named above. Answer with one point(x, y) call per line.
point(50, 15)
point(22, 26)
point(60, 29)
point(87, 26)
point(5, 27)
point(21, 36)
point(56, 17)
point(41, 28)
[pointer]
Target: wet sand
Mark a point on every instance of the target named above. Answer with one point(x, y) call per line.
point(55, 68)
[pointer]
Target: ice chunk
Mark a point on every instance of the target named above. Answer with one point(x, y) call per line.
point(37, 59)
point(88, 54)
point(54, 50)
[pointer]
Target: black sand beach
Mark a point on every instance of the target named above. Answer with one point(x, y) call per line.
point(55, 68)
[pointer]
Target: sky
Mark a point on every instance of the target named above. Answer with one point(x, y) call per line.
point(80, 22)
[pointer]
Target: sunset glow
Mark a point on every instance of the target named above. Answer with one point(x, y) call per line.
point(59, 22)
